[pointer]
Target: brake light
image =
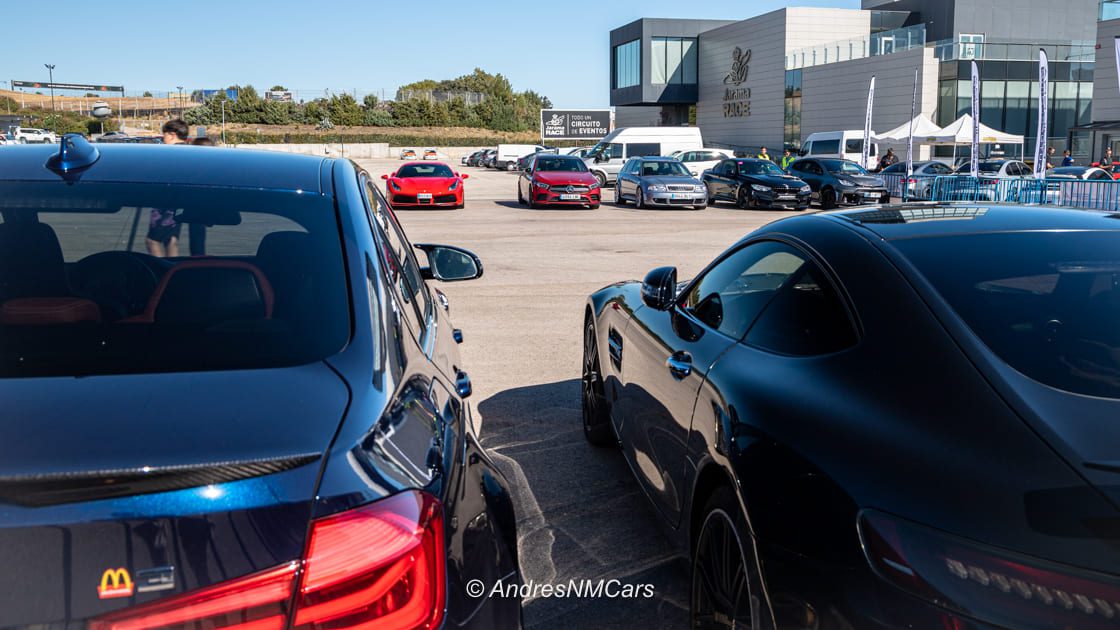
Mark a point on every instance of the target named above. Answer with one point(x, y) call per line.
point(381, 565)
point(999, 587)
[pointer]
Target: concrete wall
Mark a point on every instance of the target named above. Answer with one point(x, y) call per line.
point(769, 37)
point(1028, 21)
point(834, 96)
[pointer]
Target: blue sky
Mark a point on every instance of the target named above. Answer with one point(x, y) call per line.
point(559, 49)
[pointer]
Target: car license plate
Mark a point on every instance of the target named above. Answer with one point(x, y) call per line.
point(424, 197)
point(786, 197)
point(870, 195)
point(681, 196)
point(572, 197)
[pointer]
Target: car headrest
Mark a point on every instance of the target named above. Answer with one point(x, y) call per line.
point(31, 262)
point(204, 292)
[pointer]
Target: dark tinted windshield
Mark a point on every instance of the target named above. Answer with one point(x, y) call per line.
point(81, 295)
point(561, 163)
point(425, 170)
point(759, 168)
point(1047, 303)
point(664, 168)
point(844, 167)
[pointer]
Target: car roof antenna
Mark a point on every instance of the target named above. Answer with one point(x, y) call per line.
point(74, 153)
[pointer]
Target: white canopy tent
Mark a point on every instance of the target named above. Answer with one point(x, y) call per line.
point(923, 127)
point(959, 132)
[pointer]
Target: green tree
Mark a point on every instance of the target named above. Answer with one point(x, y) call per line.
point(370, 101)
point(344, 110)
point(278, 88)
point(147, 94)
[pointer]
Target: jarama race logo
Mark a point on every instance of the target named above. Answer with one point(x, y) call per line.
point(115, 583)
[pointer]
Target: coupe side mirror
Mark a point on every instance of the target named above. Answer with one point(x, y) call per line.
point(598, 159)
point(659, 288)
point(464, 176)
point(384, 177)
point(449, 264)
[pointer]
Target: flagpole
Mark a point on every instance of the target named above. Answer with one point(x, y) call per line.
point(867, 124)
point(910, 139)
point(975, 157)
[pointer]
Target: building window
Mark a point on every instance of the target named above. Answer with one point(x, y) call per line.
point(972, 46)
point(673, 61)
point(792, 126)
point(1110, 9)
point(628, 64)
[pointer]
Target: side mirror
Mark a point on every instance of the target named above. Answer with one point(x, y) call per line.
point(449, 264)
point(464, 176)
point(384, 177)
point(598, 159)
point(659, 288)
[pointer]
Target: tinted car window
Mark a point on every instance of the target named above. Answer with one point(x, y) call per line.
point(760, 168)
point(641, 149)
point(425, 170)
point(400, 263)
point(805, 318)
point(732, 293)
point(937, 168)
point(895, 168)
point(661, 168)
point(843, 167)
point(560, 163)
point(826, 147)
point(1048, 304)
point(80, 296)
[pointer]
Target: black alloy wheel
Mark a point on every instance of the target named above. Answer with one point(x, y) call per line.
point(596, 410)
point(721, 574)
point(744, 199)
point(828, 199)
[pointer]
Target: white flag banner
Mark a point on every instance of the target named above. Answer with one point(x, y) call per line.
point(1043, 115)
point(975, 157)
point(910, 140)
point(867, 126)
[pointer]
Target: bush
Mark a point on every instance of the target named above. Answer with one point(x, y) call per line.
point(199, 116)
point(377, 118)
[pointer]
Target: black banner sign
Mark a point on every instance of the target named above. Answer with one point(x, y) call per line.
point(575, 124)
point(46, 85)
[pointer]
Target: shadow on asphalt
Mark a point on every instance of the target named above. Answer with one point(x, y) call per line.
point(594, 523)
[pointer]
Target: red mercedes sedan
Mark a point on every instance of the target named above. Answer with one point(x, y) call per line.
point(422, 185)
point(560, 180)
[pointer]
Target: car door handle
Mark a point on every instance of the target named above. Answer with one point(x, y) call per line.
point(680, 365)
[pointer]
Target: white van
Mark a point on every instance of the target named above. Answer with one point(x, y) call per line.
point(846, 145)
point(607, 157)
point(508, 154)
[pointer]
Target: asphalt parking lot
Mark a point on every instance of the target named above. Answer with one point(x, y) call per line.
point(581, 513)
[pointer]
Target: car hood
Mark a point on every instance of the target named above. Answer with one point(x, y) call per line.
point(78, 426)
point(861, 180)
point(774, 180)
point(665, 180)
point(424, 184)
point(557, 178)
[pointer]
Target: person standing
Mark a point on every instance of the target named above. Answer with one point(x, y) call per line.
point(163, 228)
point(1049, 158)
point(1106, 160)
point(1067, 159)
point(763, 155)
point(888, 159)
point(787, 159)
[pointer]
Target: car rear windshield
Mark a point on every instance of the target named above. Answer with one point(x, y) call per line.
point(1047, 303)
point(425, 170)
point(106, 278)
point(844, 167)
point(571, 165)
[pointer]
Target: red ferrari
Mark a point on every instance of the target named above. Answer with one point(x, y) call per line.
point(420, 185)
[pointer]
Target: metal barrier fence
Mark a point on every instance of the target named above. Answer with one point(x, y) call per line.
point(1095, 195)
point(913, 188)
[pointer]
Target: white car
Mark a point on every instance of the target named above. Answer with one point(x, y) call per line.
point(24, 135)
point(409, 154)
point(7, 138)
point(431, 154)
point(920, 185)
point(701, 160)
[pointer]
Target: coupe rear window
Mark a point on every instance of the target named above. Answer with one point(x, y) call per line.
point(134, 278)
point(425, 170)
point(571, 165)
point(1047, 303)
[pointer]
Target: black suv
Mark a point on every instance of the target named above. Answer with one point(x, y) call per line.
point(840, 182)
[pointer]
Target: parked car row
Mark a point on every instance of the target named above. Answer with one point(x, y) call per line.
point(28, 135)
point(413, 154)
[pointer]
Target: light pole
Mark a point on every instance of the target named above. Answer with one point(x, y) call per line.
point(50, 71)
point(180, 99)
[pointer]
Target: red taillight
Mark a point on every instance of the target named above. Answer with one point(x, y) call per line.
point(381, 565)
point(996, 586)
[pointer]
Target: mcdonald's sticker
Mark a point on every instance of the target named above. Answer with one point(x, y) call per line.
point(115, 583)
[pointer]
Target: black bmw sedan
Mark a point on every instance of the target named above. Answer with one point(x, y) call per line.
point(750, 183)
point(903, 417)
point(271, 432)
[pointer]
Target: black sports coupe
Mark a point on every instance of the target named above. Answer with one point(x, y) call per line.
point(748, 183)
point(270, 433)
point(903, 417)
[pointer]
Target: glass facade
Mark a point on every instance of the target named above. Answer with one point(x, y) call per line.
point(628, 64)
point(1009, 98)
point(673, 61)
point(1110, 9)
point(792, 126)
